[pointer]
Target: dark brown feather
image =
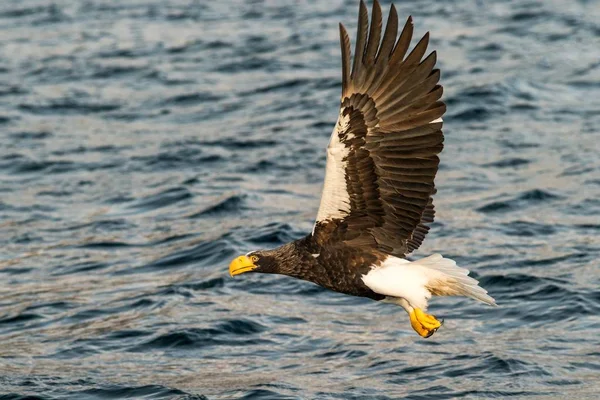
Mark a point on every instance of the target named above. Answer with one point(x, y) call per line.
point(374, 35)
point(391, 145)
point(389, 37)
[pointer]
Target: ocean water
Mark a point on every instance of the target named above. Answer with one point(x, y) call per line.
point(144, 143)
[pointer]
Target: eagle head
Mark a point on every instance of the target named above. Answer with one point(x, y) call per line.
point(255, 261)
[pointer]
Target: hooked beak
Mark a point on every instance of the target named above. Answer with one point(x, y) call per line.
point(240, 265)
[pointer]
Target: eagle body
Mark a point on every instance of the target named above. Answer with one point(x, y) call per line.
point(337, 267)
point(377, 200)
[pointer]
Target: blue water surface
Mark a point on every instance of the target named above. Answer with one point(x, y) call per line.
point(144, 143)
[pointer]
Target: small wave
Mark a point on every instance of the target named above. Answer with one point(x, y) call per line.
point(514, 282)
point(54, 193)
point(241, 327)
point(162, 199)
point(133, 392)
point(189, 99)
point(521, 16)
point(497, 206)
point(19, 12)
point(494, 364)
point(227, 332)
point(548, 299)
point(508, 163)
point(98, 226)
point(26, 135)
point(166, 79)
point(517, 145)
point(249, 64)
point(490, 94)
point(21, 164)
point(234, 143)
point(524, 107)
point(19, 319)
point(193, 45)
point(115, 71)
point(205, 253)
point(292, 83)
point(586, 207)
point(473, 114)
point(89, 149)
point(525, 199)
point(590, 227)
point(15, 396)
point(68, 107)
point(528, 229)
point(285, 320)
point(553, 260)
point(208, 284)
point(227, 205)
point(341, 353)
point(82, 267)
point(264, 394)
point(177, 158)
point(490, 47)
point(124, 53)
point(578, 170)
point(272, 234)
point(105, 245)
point(538, 195)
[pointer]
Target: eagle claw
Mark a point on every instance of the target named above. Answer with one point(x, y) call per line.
point(424, 324)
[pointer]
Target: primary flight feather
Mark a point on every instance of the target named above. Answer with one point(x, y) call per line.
point(377, 202)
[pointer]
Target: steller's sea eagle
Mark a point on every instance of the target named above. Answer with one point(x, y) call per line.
point(377, 197)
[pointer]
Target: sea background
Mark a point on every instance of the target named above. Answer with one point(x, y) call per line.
point(144, 143)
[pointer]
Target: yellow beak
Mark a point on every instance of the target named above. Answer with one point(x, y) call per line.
point(240, 265)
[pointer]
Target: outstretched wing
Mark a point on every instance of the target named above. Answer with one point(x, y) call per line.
point(382, 156)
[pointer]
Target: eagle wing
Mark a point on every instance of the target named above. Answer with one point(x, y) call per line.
point(382, 156)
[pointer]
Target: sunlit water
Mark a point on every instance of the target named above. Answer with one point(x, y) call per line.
point(145, 143)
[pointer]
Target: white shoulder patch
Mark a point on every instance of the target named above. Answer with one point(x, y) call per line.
point(335, 200)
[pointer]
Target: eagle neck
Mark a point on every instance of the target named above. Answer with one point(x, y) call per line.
point(295, 259)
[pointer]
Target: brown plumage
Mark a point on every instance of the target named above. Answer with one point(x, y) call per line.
point(392, 158)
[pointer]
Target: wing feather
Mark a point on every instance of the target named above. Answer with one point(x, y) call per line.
point(361, 38)
point(345, 45)
point(389, 37)
point(374, 35)
point(382, 156)
point(403, 42)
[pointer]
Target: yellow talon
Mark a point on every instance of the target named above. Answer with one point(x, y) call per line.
point(420, 329)
point(428, 321)
point(424, 324)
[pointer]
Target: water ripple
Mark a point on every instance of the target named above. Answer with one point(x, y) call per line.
point(147, 143)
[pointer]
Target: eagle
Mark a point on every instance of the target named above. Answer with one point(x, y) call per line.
point(377, 203)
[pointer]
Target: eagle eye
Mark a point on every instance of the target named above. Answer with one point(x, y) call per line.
point(254, 258)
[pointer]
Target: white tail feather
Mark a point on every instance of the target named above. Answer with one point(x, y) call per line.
point(417, 281)
point(452, 280)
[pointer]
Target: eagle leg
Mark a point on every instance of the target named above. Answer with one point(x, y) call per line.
point(424, 324)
